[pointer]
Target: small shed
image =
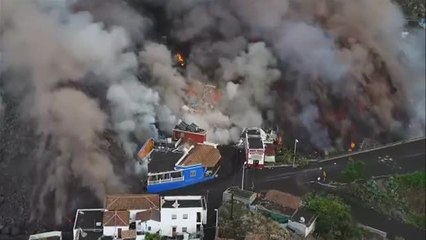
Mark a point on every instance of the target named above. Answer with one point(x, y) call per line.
point(243, 196)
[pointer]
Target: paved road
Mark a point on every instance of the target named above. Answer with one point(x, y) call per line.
point(404, 158)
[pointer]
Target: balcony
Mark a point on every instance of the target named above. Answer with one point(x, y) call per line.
point(167, 180)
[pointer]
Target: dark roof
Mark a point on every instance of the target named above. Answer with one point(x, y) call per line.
point(153, 214)
point(132, 201)
point(255, 142)
point(88, 219)
point(116, 218)
point(183, 126)
point(163, 161)
point(307, 214)
point(182, 203)
point(253, 132)
point(207, 155)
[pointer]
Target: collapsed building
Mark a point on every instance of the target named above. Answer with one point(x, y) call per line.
point(183, 160)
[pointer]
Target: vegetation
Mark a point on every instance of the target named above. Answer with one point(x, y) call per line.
point(334, 217)
point(354, 171)
point(402, 196)
point(242, 221)
point(286, 156)
point(152, 236)
point(412, 8)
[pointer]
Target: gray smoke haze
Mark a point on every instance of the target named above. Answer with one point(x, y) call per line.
point(2, 108)
point(53, 46)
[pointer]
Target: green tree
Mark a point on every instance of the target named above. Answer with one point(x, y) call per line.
point(334, 217)
point(354, 170)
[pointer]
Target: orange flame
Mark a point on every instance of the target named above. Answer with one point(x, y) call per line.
point(180, 59)
point(352, 146)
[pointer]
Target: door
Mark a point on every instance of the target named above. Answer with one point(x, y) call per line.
point(119, 233)
point(173, 231)
point(198, 217)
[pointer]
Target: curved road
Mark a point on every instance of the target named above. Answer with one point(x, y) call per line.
point(402, 158)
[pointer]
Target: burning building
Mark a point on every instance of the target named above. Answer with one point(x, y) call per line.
point(259, 146)
point(188, 132)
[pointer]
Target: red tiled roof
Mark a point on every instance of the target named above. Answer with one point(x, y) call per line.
point(116, 218)
point(132, 201)
point(285, 200)
point(152, 214)
point(207, 155)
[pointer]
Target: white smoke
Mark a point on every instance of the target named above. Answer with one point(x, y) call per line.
point(133, 112)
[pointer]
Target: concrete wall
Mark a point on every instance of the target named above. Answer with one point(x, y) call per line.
point(167, 223)
point(300, 228)
point(113, 230)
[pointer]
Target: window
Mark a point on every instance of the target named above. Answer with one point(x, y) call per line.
point(149, 228)
point(198, 217)
point(174, 216)
point(185, 216)
point(193, 173)
point(184, 229)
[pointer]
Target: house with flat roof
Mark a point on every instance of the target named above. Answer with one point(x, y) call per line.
point(88, 225)
point(236, 193)
point(302, 222)
point(183, 216)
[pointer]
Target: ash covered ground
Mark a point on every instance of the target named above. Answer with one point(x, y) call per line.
point(84, 83)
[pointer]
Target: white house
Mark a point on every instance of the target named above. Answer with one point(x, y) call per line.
point(148, 221)
point(183, 215)
point(302, 222)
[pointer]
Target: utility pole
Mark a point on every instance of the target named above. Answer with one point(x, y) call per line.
point(232, 206)
point(217, 223)
point(242, 178)
point(294, 153)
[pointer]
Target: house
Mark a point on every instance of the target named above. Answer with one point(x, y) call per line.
point(187, 132)
point(302, 222)
point(243, 196)
point(125, 215)
point(88, 225)
point(183, 216)
point(55, 235)
point(260, 146)
point(192, 163)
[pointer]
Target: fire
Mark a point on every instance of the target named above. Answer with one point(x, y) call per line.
point(352, 146)
point(180, 59)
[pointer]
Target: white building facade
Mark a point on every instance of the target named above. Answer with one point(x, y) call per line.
point(183, 215)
